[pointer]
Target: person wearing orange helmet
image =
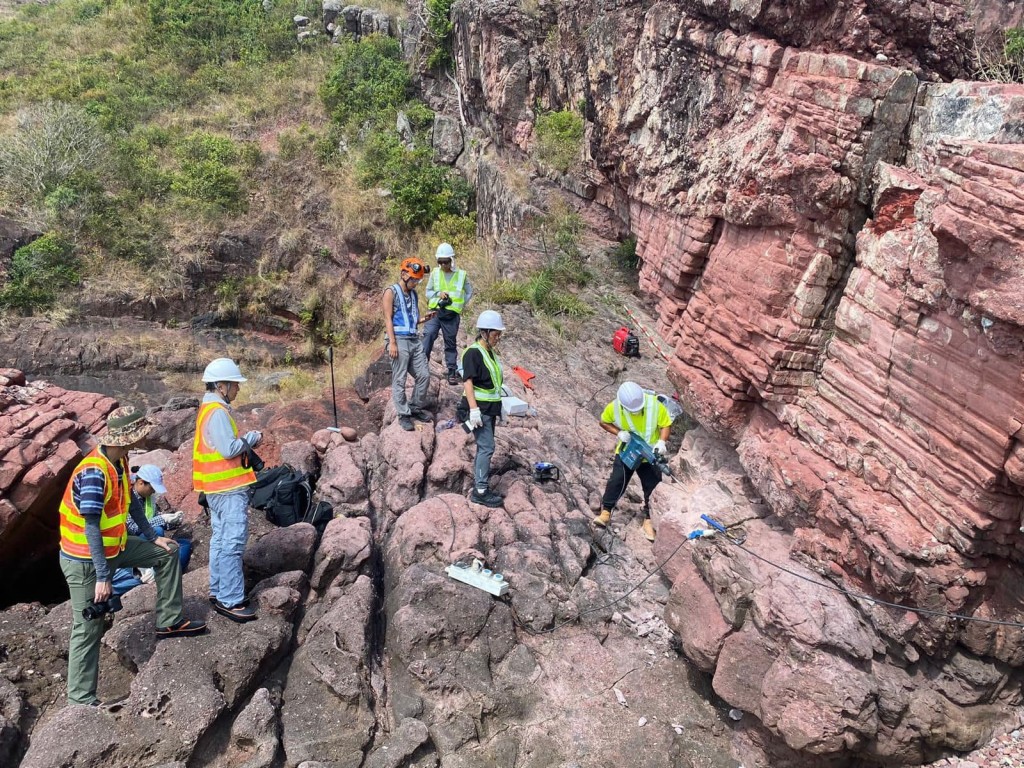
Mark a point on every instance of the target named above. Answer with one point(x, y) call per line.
point(402, 320)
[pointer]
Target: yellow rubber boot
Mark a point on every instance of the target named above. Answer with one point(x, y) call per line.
point(648, 529)
point(602, 520)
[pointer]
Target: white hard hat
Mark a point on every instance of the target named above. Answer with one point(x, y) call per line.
point(445, 251)
point(223, 369)
point(490, 320)
point(151, 474)
point(631, 396)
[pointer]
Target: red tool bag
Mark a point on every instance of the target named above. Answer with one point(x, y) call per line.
point(626, 343)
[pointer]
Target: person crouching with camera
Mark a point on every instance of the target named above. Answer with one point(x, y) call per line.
point(221, 470)
point(94, 541)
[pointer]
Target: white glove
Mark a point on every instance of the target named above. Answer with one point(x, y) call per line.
point(172, 519)
point(475, 420)
point(660, 447)
point(253, 438)
point(624, 436)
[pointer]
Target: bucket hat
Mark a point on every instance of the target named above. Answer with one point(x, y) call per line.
point(125, 426)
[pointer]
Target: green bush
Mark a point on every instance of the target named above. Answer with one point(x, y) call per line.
point(209, 181)
point(455, 229)
point(368, 82)
point(559, 139)
point(40, 274)
point(544, 291)
point(624, 255)
point(421, 191)
point(439, 30)
point(198, 32)
point(207, 173)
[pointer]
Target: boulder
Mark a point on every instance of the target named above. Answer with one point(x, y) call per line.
point(282, 549)
point(446, 139)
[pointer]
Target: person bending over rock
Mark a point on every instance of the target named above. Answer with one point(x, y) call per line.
point(633, 411)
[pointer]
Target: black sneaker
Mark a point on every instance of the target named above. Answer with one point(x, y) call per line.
point(405, 422)
point(421, 415)
point(487, 498)
point(240, 613)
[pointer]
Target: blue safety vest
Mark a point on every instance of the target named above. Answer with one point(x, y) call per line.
point(405, 314)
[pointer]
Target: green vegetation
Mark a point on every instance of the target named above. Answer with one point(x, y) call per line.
point(368, 83)
point(624, 255)
point(1000, 57)
point(559, 139)
point(40, 273)
point(550, 290)
point(365, 91)
point(439, 30)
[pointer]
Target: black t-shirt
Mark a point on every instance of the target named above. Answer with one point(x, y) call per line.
point(473, 368)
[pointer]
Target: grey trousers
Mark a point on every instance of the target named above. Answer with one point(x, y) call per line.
point(484, 450)
point(410, 361)
point(448, 327)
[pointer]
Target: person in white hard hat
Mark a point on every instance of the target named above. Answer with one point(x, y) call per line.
point(220, 469)
point(448, 292)
point(480, 407)
point(639, 412)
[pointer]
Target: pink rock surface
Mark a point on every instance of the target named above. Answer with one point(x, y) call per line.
point(44, 431)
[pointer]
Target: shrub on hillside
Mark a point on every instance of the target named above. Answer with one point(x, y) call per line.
point(421, 191)
point(439, 30)
point(198, 32)
point(40, 273)
point(368, 82)
point(208, 172)
point(559, 139)
point(52, 143)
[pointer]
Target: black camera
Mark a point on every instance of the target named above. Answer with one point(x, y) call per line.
point(251, 460)
point(444, 303)
point(94, 610)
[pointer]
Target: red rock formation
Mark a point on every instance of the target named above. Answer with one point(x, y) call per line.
point(43, 433)
point(835, 249)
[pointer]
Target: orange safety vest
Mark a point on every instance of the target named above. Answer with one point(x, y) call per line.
point(113, 525)
point(211, 472)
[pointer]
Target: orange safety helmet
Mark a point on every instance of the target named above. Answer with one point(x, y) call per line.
point(414, 267)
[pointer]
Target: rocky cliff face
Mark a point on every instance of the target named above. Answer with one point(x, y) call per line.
point(833, 239)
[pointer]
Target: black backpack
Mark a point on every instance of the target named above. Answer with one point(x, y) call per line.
point(284, 494)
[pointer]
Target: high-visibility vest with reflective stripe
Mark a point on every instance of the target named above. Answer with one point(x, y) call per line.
point(211, 472)
point(113, 520)
point(493, 394)
point(405, 313)
point(454, 289)
point(630, 422)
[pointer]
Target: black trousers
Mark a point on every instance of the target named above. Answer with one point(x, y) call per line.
point(649, 474)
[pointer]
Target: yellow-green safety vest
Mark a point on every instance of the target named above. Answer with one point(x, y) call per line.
point(492, 395)
point(454, 288)
point(630, 422)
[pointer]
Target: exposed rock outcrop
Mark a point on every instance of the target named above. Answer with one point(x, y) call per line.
point(44, 432)
point(834, 245)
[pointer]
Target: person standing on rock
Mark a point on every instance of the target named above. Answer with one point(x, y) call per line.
point(448, 292)
point(402, 320)
point(220, 469)
point(94, 542)
point(480, 407)
point(641, 413)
